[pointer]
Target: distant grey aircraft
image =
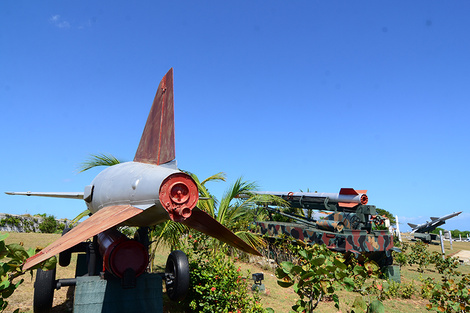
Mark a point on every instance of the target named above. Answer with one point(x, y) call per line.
point(421, 231)
point(433, 224)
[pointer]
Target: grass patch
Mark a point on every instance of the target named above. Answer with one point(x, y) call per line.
point(280, 299)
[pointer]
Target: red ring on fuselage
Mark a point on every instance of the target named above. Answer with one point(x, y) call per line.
point(178, 195)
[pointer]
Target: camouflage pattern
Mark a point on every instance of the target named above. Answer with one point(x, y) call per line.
point(339, 221)
point(345, 230)
point(353, 240)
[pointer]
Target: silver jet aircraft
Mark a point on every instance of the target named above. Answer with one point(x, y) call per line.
point(422, 231)
point(432, 224)
point(146, 191)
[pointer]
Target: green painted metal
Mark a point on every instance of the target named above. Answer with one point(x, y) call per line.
point(425, 237)
point(93, 295)
point(393, 273)
point(345, 230)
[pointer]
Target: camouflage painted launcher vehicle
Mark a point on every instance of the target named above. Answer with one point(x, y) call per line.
point(348, 229)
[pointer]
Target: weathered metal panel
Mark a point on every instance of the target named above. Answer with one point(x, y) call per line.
point(98, 222)
point(393, 273)
point(93, 294)
point(157, 144)
point(203, 222)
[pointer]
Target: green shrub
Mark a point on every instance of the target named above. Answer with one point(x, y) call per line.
point(393, 290)
point(427, 287)
point(216, 284)
point(407, 290)
point(419, 255)
point(318, 272)
point(446, 266)
point(48, 225)
point(400, 258)
point(450, 295)
point(12, 257)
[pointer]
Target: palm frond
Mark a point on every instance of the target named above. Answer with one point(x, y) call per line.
point(252, 239)
point(268, 199)
point(207, 206)
point(79, 217)
point(169, 232)
point(221, 176)
point(238, 188)
point(98, 160)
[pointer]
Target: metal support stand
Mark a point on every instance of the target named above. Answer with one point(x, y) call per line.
point(107, 294)
point(450, 239)
point(398, 228)
point(442, 245)
point(393, 273)
point(94, 294)
point(258, 285)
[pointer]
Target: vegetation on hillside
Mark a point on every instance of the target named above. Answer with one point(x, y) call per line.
point(455, 233)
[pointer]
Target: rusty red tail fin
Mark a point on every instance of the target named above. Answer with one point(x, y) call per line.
point(157, 144)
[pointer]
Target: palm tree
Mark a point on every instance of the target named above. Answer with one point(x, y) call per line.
point(95, 160)
point(234, 212)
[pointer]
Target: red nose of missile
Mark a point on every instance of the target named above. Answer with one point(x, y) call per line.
point(179, 195)
point(364, 199)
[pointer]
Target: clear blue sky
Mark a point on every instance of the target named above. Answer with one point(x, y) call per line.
point(291, 94)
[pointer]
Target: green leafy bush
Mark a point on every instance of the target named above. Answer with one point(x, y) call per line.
point(407, 290)
point(391, 289)
point(318, 272)
point(360, 306)
point(450, 295)
point(216, 284)
point(12, 257)
point(419, 255)
point(427, 287)
point(48, 225)
point(446, 266)
point(400, 258)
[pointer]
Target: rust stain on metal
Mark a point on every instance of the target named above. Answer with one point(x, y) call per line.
point(204, 223)
point(100, 221)
point(157, 145)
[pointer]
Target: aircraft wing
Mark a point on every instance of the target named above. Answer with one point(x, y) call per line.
point(100, 221)
point(67, 195)
point(203, 222)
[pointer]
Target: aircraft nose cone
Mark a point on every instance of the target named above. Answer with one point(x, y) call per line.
point(179, 195)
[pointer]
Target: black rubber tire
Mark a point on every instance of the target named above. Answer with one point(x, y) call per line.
point(177, 275)
point(44, 291)
point(65, 256)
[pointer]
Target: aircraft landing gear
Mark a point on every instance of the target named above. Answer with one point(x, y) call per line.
point(89, 264)
point(44, 287)
point(65, 256)
point(177, 275)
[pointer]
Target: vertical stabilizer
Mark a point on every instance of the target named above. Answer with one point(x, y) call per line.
point(157, 144)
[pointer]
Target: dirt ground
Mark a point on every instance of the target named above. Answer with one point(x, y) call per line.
point(278, 298)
